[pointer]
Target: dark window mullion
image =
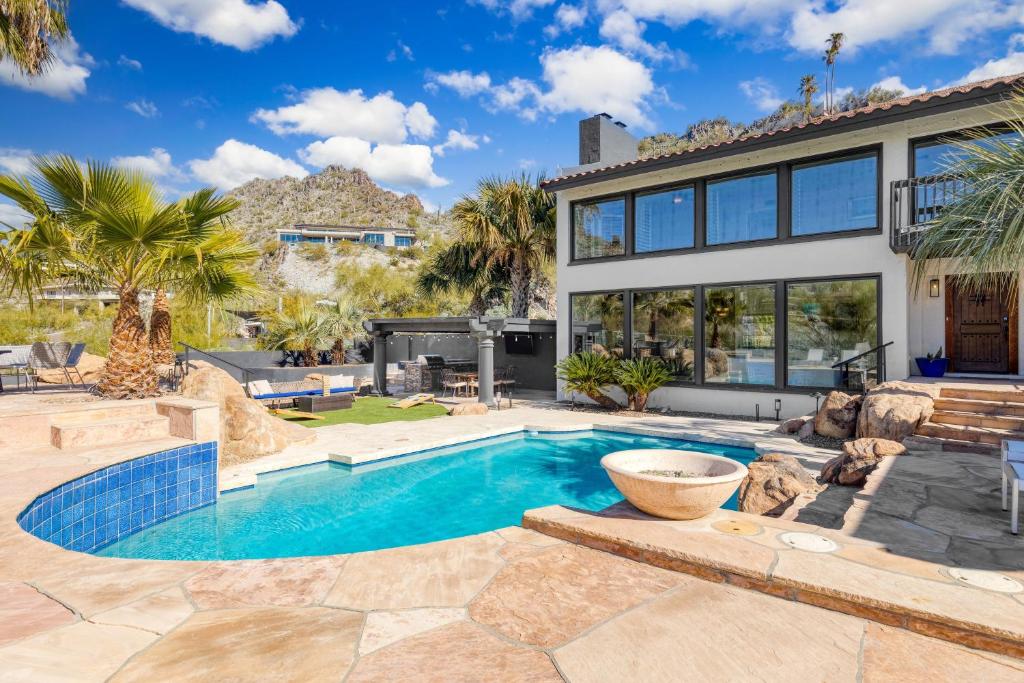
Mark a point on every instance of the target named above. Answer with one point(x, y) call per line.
point(781, 334)
point(698, 335)
point(700, 216)
point(785, 215)
point(630, 222)
point(627, 323)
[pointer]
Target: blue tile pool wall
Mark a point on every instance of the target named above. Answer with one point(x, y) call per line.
point(100, 508)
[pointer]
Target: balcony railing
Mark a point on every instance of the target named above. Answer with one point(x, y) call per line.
point(915, 202)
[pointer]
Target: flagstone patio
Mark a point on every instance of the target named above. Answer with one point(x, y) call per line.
point(514, 604)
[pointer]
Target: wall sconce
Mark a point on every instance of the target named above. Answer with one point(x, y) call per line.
point(933, 288)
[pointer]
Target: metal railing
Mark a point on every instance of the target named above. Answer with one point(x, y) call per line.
point(246, 372)
point(862, 372)
point(915, 202)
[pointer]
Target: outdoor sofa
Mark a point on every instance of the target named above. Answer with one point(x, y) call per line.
point(276, 393)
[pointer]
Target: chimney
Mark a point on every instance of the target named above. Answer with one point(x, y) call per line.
point(605, 142)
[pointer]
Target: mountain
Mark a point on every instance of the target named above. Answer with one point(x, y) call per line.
point(334, 196)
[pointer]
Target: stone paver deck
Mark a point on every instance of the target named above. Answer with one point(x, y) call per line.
point(508, 605)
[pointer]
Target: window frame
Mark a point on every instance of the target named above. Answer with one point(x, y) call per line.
point(958, 134)
point(776, 170)
point(811, 163)
point(784, 234)
point(781, 384)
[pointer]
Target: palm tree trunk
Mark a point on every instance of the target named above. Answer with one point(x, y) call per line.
point(520, 285)
point(604, 400)
point(160, 330)
point(338, 351)
point(309, 357)
point(129, 371)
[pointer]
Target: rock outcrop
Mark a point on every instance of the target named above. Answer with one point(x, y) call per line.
point(894, 410)
point(247, 430)
point(858, 460)
point(772, 483)
point(837, 417)
point(468, 409)
point(90, 367)
point(792, 425)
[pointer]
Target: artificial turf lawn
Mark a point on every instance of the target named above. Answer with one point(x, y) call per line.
point(371, 410)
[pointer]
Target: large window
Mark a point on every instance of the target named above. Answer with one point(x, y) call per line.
point(834, 196)
point(742, 209)
point(826, 323)
point(934, 157)
point(598, 323)
point(739, 334)
point(664, 220)
point(599, 229)
point(663, 327)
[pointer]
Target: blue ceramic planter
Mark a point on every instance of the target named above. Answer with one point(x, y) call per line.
point(932, 368)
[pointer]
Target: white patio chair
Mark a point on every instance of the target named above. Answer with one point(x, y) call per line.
point(1013, 475)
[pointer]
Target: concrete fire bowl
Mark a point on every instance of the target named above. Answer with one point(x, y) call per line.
point(706, 482)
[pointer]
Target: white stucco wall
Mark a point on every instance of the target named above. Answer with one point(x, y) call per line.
point(911, 331)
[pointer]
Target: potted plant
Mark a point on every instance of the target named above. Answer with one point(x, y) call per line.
point(933, 364)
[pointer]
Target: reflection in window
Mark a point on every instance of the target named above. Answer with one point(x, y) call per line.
point(829, 322)
point(742, 209)
point(835, 196)
point(664, 220)
point(598, 323)
point(663, 328)
point(599, 228)
point(739, 334)
point(938, 156)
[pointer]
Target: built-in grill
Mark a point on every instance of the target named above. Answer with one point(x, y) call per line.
point(425, 373)
point(433, 361)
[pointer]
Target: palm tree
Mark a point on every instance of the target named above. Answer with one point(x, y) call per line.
point(511, 224)
point(98, 224)
point(981, 227)
point(808, 89)
point(834, 44)
point(455, 269)
point(347, 321)
point(26, 29)
point(307, 330)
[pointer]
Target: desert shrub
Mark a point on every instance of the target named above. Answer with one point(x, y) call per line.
point(314, 251)
point(639, 377)
point(590, 374)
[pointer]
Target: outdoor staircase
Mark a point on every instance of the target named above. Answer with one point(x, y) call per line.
point(86, 425)
point(971, 419)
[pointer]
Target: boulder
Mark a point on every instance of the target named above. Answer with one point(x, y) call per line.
point(837, 417)
point(792, 425)
point(772, 483)
point(858, 460)
point(90, 367)
point(247, 430)
point(468, 409)
point(894, 410)
point(806, 430)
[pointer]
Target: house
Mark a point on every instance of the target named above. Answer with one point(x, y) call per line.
point(772, 267)
point(329, 234)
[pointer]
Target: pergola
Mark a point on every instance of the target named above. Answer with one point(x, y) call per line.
point(484, 329)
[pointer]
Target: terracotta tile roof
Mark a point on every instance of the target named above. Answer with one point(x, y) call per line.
point(1000, 83)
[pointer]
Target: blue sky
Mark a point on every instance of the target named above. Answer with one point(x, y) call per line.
point(428, 97)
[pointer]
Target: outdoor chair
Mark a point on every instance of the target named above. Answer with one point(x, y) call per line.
point(277, 393)
point(16, 361)
point(71, 362)
point(505, 380)
point(47, 356)
point(1013, 475)
point(450, 381)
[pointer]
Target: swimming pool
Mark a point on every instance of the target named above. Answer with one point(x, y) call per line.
point(328, 509)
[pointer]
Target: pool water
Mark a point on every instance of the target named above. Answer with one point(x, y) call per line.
point(328, 508)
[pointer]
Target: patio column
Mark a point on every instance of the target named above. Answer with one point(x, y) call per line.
point(380, 362)
point(485, 368)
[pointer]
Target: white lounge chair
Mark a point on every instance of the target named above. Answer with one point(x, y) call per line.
point(1013, 475)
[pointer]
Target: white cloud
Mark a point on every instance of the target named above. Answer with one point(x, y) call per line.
point(624, 29)
point(333, 113)
point(129, 63)
point(399, 165)
point(64, 78)
point(567, 18)
point(404, 49)
point(13, 216)
point(896, 83)
point(465, 83)
point(1012, 63)
point(513, 95)
point(761, 93)
point(235, 163)
point(460, 140)
point(597, 79)
point(157, 164)
point(143, 108)
point(519, 9)
point(729, 14)
point(16, 161)
point(241, 24)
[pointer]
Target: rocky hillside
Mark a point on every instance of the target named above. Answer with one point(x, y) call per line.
point(335, 196)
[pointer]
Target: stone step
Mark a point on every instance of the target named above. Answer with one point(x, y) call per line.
point(965, 405)
point(930, 443)
point(986, 435)
point(977, 394)
point(970, 419)
point(76, 434)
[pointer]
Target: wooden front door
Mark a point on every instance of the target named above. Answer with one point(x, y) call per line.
point(981, 328)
